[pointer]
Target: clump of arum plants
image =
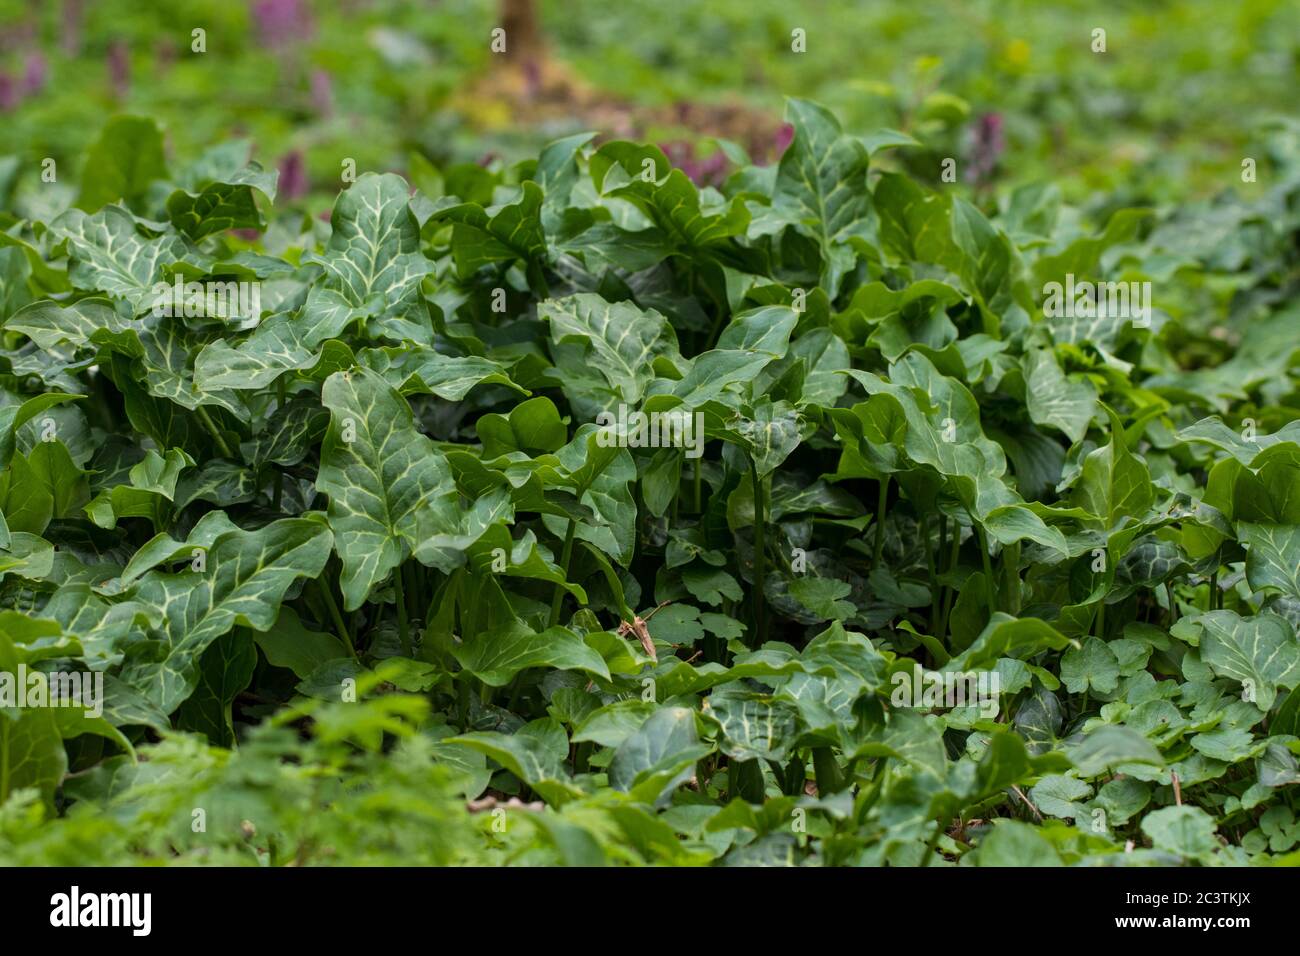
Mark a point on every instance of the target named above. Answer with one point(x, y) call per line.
point(577, 514)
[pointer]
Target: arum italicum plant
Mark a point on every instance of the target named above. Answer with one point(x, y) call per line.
point(371, 544)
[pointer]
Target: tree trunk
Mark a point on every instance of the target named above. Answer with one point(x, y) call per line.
point(523, 32)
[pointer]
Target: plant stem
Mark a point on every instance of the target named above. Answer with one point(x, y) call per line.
point(333, 608)
point(565, 556)
point(1011, 568)
point(949, 593)
point(516, 686)
point(929, 567)
point(994, 603)
point(581, 756)
point(279, 475)
point(760, 517)
point(932, 843)
point(399, 596)
point(943, 550)
point(881, 499)
point(699, 507)
point(212, 428)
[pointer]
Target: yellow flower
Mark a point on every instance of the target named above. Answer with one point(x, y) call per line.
point(1016, 54)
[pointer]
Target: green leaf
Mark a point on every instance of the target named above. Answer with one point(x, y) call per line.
point(770, 434)
point(496, 656)
point(1260, 651)
point(1012, 844)
point(753, 725)
point(1112, 748)
point(1055, 399)
point(373, 259)
point(1059, 796)
point(663, 738)
point(1185, 831)
point(246, 577)
point(122, 164)
point(417, 369)
point(535, 754)
point(224, 670)
point(153, 484)
point(513, 231)
point(822, 596)
point(1272, 556)
point(1005, 636)
point(293, 645)
point(1093, 667)
point(617, 339)
point(31, 753)
point(388, 486)
point(111, 256)
point(531, 426)
point(821, 185)
point(219, 195)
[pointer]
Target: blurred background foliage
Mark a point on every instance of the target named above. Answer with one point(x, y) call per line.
point(1013, 90)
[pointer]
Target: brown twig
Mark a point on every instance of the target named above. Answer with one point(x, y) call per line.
point(1020, 793)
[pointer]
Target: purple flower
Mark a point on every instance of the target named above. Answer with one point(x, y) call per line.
point(987, 144)
point(10, 94)
point(322, 92)
point(70, 38)
point(119, 69)
point(532, 78)
point(784, 137)
point(293, 176)
point(710, 171)
point(35, 72)
point(164, 55)
point(280, 22)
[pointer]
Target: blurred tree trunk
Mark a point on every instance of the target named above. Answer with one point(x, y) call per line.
point(523, 32)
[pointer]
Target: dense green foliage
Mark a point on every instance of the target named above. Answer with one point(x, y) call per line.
point(363, 560)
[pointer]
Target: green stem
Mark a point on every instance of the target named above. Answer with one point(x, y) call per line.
point(699, 470)
point(881, 500)
point(930, 570)
point(988, 568)
point(760, 517)
point(516, 686)
point(943, 551)
point(950, 595)
point(279, 475)
point(4, 760)
point(1101, 619)
point(211, 426)
point(333, 608)
point(581, 756)
point(1213, 601)
point(1011, 568)
point(933, 842)
point(565, 556)
point(718, 320)
point(399, 595)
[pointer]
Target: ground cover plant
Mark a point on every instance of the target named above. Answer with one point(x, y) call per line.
point(566, 511)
